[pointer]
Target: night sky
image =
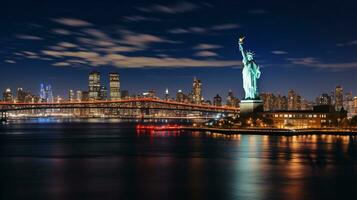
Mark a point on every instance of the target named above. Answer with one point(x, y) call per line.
point(310, 46)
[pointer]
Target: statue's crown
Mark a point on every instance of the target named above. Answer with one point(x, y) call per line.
point(250, 52)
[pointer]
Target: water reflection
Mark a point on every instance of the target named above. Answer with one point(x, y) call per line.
point(117, 161)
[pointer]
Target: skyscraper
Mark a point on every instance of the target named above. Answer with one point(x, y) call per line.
point(324, 99)
point(338, 98)
point(103, 93)
point(94, 85)
point(71, 95)
point(114, 86)
point(217, 100)
point(21, 95)
point(294, 100)
point(7, 95)
point(180, 96)
point(49, 94)
point(79, 95)
point(196, 91)
point(167, 95)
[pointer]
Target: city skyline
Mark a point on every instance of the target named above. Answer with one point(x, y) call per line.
point(154, 45)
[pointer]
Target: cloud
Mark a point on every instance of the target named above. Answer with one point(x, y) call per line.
point(142, 39)
point(72, 22)
point(225, 27)
point(180, 7)
point(353, 42)
point(114, 59)
point(61, 31)
point(28, 37)
point(202, 30)
point(314, 62)
point(10, 61)
point(67, 45)
point(61, 64)
point(279, 52)
point(139, 18)
point(205, 46)
point(206, 53)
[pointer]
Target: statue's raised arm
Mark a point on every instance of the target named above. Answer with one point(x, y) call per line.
point(240, 43)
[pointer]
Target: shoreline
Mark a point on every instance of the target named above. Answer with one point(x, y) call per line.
point(276, 131)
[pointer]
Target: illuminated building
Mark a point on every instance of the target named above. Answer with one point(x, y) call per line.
point(42, 92)
point(180, 96)
point(103, 93)
point(355, 105)
point(306, 105)
point(231, 100)
point(348, 104)
point(85, 96)
point(71, 95)
point(21, 95)
point(324, 99)
point(294, 100)
point(167, 96)
point(150, 94)
point(338, 98)
point(196, 91)
point(94, 85)
point(7, 95)
point(319, 117)
point(217, 100)
point(114, 86)
point(268, 101)
point(79, 96)
point(46, 93)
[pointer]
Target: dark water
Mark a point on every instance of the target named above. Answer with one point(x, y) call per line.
point(114, 161)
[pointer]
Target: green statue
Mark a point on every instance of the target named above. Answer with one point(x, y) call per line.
point(250, 73)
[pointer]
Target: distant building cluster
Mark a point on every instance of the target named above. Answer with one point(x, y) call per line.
point(337, 99)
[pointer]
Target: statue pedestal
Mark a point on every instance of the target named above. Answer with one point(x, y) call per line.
point(250, 106)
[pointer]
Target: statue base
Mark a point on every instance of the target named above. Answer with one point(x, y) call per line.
point(250, 106)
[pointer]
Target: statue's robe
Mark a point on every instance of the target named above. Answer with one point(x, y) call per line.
point(250, 74)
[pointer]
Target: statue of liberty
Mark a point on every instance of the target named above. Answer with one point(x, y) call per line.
point(250, 73)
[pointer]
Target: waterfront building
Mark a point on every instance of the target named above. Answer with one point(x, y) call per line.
point(114, 86)
point(196, 91)
point(320, 117)
point(7, 95)
point(71, 95)
point(338, 98)
point(217, 100)
point(94, 85)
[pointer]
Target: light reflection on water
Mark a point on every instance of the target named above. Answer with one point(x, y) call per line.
point(111, 160)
